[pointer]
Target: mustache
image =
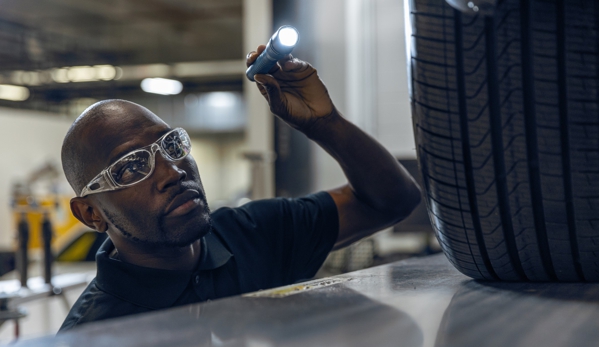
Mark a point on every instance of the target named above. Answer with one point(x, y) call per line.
point(182, 187)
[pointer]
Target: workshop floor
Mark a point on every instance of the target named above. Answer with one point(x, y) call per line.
point(45, 314)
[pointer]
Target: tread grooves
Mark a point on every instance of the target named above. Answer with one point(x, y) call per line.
point(458, 195)
point(497, 146)
point(467, 156)
point(505, 111)
point(565, 133)
point(530, 125)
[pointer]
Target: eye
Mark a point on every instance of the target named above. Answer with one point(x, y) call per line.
point(131, 170)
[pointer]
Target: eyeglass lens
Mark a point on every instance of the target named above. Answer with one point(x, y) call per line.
point(136, 166)
point(132, 168)
point(176, 144)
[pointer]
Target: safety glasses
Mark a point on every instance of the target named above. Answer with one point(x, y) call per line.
point(139, 164)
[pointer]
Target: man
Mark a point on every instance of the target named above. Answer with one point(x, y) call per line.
point(136, 182)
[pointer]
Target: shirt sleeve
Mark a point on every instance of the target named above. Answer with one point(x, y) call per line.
point(281, 241)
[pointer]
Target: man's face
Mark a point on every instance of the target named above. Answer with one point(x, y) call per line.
point(144, 213)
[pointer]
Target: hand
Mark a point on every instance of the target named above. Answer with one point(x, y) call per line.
point(294, 92)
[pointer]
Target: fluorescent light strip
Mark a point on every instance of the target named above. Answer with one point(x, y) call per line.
point(130, 72)
point(161, 86)
point(13, 93)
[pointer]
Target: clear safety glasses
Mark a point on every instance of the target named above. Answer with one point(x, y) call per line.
point(139, 164)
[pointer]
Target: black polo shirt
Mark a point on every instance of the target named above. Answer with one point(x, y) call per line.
point(260, 245)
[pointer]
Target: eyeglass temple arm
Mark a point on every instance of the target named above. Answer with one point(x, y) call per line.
point(98, 184)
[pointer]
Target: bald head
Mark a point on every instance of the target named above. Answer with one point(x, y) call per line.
point(139, 219)
point(94, 135)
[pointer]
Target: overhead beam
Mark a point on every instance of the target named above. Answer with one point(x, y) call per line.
point(124, 73)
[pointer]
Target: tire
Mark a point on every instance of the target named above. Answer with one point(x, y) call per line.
point(506, 117)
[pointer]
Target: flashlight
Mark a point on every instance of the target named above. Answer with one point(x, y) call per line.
point(279, 45)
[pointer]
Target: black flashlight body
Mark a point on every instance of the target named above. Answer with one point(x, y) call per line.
point(274, 51)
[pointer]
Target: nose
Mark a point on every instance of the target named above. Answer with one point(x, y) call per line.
point(167, 172)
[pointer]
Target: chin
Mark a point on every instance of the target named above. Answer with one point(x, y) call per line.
point(186, 231)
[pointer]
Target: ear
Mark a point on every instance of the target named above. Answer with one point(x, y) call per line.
point(88, 214)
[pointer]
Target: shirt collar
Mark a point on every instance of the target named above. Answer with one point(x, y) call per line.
point(153, 288)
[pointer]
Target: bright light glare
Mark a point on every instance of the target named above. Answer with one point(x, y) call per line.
point(84, 73)
point(81, 74)
point(60, 75)
point(288, 36)
point(105, 72)
point(162, 86)
point(221, 99)
point(32, 78)
point(13, 93)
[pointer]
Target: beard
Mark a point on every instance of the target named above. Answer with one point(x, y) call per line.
point(153, 232)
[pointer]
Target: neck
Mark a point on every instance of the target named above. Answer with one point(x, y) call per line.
point(180, 259)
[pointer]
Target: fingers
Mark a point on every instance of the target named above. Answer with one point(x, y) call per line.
point(285, 59)
point(287, 63)
point(291, 64)
point(262, 90)
point(253, 55)
point(270, 85)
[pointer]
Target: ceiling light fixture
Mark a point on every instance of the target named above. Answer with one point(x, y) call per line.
point(84, 73)
point(60, 75)
point(163, 86)
point(81, 74)
point(13, 93)
point(105, 72)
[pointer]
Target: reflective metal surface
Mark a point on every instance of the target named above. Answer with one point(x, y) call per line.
point(417, 302)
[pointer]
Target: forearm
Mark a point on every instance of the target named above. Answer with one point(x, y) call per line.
point(380, 191)
point(375, 177)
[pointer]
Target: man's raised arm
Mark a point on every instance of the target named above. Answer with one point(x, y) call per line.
point(380, 192)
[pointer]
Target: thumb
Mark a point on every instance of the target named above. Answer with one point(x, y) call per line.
point(276, 99)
